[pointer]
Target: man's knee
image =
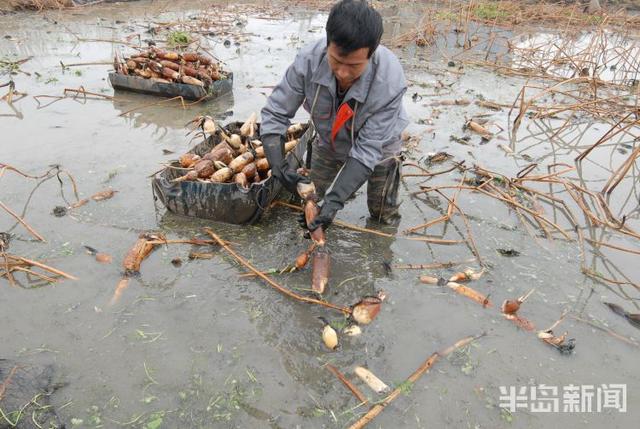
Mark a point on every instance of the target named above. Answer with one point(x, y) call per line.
point(382, 191)
point(324, 168)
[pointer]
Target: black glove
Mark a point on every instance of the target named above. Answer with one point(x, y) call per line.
point(350, 178)
point(274, 150)
point(302, 221)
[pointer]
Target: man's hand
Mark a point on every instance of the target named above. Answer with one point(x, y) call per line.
point(274, 150)
point(349, 179)
point(325, 217)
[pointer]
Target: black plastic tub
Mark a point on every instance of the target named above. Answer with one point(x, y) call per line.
point(189, 92)
point(223, 202)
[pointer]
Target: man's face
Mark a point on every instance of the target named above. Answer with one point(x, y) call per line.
point(347, 68)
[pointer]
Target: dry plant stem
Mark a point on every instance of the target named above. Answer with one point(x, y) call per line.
point(33, 273)
point(43, 266)
point(356, 392)
point(428, 174)
point(7, 272)
point(426, 365)
point(272, 283)
point(414, 165)
point(452, 205)
point(82, 91)
point(619, 175)
point(195, 242)
point(471, 241)
point(374, 232)
point(46, 175)
point(607, 330)
point(22, 222)
point(607, 136)
point(280, 271)
point(557, 322)
point(612, 246)
point(144, 106)
point(431, 266)
point(426, 225)
point(98, 63)
point(529, 211)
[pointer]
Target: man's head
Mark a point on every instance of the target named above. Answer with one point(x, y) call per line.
point(354, 30)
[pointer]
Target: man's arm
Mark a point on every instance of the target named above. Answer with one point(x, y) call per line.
point(284, 101)
point(282, 105)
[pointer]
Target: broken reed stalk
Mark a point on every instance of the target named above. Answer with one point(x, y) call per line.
point(607, 330)
point(470, 240)
point(523, 208)
point(426, 365)
point(33, 273)
point(426, 225)
point(338, 222)
point(281, 289)
point(194, 241)
point(429, 174)
point(621, 173)
point(7, 272)
point(43, 266)
point(247, 275)
point(430, 266)
point(22, 222)
point(353, 227)
point(97, 63)
point(82, 91)
point(144, 106)
point(612, 246)
point(352, 388)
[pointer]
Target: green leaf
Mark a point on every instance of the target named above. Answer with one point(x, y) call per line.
point(155, 423)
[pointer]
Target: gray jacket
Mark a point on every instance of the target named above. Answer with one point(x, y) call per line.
point(373, 133)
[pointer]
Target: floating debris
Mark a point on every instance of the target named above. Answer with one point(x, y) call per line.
point(368, 308)
point(510, 306)
point(561, 343)
point(59, 211)
point(100, 257)
point(437, 158)
point(466, 275)
point(478, 129)
point(521, 322)
point(5, 239)
point(509, 253)
point(103, 195)
point(352, 330)
point(139, 252)
point(371, 380)
point(200, 255)
point(329, 335)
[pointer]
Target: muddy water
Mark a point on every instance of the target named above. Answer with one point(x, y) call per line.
point(196, 346)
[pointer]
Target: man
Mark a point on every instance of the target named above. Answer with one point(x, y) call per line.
point(353, 90)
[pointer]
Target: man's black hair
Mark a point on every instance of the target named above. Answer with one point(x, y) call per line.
point(354, 24)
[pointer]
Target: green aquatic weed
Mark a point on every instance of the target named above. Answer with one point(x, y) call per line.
point(178, 38)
